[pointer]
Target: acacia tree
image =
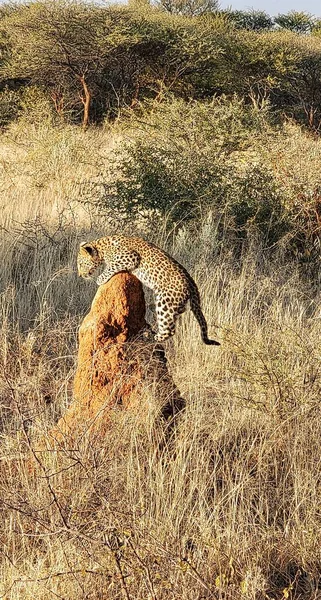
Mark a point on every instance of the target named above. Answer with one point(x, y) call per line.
point(252, 20)
point(254, 65)
point(191, 8)
point(83, 55)
point(61, 46)
point(299, 22)
point(303, 85)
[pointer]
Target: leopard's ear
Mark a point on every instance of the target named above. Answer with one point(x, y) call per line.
point(89, 248)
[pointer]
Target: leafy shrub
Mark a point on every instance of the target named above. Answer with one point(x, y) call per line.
point(9, 106)
point(253, 20)
point(36, 108)
point(187, 159)
point(29, 104)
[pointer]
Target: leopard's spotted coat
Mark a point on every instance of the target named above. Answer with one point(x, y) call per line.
point(171, 283)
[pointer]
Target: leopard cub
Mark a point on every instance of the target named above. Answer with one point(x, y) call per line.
point(171, 283)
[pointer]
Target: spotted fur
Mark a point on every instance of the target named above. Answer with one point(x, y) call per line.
point(171, 283)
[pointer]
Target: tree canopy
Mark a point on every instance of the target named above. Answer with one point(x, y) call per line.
point(91, 61)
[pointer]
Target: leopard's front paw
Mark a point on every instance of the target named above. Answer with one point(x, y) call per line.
point(100, 280)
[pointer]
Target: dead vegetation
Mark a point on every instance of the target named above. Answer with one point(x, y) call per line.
point(230, 508)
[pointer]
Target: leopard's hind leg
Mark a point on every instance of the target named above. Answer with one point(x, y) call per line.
point(167, 311)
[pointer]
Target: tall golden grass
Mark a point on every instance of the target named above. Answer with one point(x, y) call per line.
point(230, 507)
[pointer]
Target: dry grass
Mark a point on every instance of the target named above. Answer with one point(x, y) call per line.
point(231, 507)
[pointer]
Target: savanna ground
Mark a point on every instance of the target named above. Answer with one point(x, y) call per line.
point(231, 508)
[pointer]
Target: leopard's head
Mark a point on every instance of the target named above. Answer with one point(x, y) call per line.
point(88, 259)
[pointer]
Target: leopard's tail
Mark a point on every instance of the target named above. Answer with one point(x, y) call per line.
point(195, 303)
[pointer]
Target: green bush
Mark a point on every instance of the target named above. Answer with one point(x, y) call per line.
point(221, 162)
point(30, 104)
point(188, 159)
point(9, 106)
point(36, 107)
point(94, 61)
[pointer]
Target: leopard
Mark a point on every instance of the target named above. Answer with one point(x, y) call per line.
point(170, 282)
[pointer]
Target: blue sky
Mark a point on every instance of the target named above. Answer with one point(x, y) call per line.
point(274, 7)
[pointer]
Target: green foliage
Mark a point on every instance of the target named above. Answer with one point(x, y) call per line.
point(200, 163)
point(278, 67)
point(190, 8)
point(92, 60)
point(316, 30)
point(35, 106)
point(59, 46)
point(9, 106)
point(224, 160)
point(299, 22)
point(95, 60)
point(302, 83)
point(252, 20)
point(30, 105)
